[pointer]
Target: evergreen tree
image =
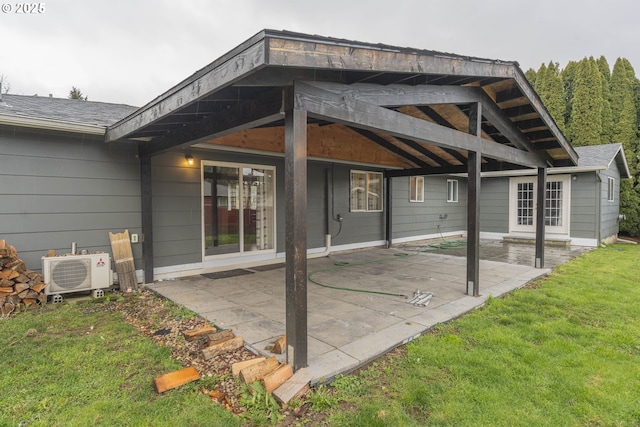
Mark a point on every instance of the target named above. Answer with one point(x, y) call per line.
point(530, 74)
point(76, 93)
point(586, 112)
point(624, 110)
point(550, 88)
point(568, 78)
point(607, 119)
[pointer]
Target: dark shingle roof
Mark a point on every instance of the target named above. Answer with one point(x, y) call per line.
point(601, 156)
point(64, 110)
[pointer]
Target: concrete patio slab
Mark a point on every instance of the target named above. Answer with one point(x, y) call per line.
point(348, 328)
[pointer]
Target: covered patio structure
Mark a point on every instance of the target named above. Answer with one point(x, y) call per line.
point(408, 111)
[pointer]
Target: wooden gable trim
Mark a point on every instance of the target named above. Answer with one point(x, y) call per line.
point(222, 75)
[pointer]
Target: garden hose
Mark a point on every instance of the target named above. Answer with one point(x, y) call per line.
point(342, 264)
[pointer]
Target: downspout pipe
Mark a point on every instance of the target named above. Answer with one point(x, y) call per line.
point(328, 190)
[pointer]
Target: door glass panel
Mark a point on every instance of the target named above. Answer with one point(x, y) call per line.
point(258, 215)
point(221, 210)
point(525, 203)
point(553, 207)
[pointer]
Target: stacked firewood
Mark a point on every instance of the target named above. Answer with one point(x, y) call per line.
point(20, 289)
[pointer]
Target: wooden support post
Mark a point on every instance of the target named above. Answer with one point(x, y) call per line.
point(540, 216)
point(147, 224)
point(473, 205)
point(389, 213)
point(295, 180)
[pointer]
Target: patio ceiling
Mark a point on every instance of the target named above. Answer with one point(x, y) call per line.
point(237, 101)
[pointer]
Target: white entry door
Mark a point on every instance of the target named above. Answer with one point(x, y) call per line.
point(522, 204)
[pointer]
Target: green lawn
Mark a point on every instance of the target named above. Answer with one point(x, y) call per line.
point(563, 352)
point(84, 366)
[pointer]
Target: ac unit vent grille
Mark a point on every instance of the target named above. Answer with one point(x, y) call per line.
point(71, 273)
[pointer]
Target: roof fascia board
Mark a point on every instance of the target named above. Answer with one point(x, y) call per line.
point(550, 171)
point(219, 74)
point(308, 53)
point(50, 124)
point(623, 162)
point(539, 106)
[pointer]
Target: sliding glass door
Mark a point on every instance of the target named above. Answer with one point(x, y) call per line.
point(239, 208)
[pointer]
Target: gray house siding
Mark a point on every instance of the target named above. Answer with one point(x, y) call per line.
point(584, 201)
point(494, 205)
point(60, 189)
point(432, 216)
point(609, 225)
point(356, 226)
point(177, 211)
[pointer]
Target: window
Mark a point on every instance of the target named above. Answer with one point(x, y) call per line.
point(416, 189)
point(366, 191)
point(610, 191)
point(452, 190)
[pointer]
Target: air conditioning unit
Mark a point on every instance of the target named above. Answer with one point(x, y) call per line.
point(74, 273)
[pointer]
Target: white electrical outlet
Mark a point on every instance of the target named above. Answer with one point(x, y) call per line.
point(134, 238)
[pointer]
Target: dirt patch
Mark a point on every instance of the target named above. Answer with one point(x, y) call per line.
point(164, 323)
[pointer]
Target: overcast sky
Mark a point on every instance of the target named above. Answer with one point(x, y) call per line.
point(130, 51)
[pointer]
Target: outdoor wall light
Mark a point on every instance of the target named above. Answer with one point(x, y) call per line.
point(189, 159)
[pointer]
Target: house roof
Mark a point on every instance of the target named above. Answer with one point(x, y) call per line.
point(60, 113)
point(241, 93)
point(601, 157)
point(591, 158)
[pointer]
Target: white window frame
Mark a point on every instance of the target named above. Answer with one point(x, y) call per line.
point(452, 191)
point(416, 189)
point(562, 229)
point(368, 175)
point(239, 196)
point(611, 195)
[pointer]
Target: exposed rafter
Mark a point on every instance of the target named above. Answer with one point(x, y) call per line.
point(370, 116)
point(267, 109)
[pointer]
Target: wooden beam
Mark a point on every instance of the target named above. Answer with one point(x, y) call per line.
point(540, 215)
point(146, 190)
point(537, 104)
point(422, 150)
point(388, 231)
point(215, 77)
point(329, 106)
point(295, 163)
point(242, 116)
point(473, 206)
point(395, 95)
point(402, 95)
point(508, 95)
point(389, 146)
point(315, 53)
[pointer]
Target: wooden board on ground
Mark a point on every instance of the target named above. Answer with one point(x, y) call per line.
point(280, 345)
point(175, 379)
point(192, 334)
point(276, 378)
point(238, 366)
point(123, 259)
point(259, 370)
point(222, 347)
point(294, 387)
point(220, 336)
